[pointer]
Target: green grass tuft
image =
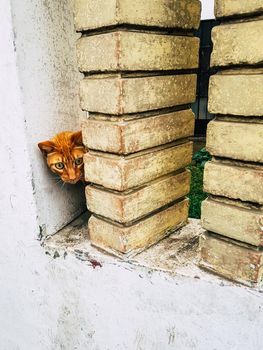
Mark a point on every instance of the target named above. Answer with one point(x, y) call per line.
point(196, 194)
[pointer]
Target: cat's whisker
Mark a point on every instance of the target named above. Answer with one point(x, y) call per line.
point(54, 177)
point(55, 182)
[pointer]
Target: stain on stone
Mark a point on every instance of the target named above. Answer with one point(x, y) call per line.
point(91, 334)
point(191, 244)
point(14, 40)
point(94, 263)
point(78, 251)
point(33, 185)
point(56, 255)
point(171, 334)
point(42, 232)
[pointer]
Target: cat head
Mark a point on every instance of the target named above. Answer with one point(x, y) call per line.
point(64, 155)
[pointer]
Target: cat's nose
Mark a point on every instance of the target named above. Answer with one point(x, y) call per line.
point(71, 174)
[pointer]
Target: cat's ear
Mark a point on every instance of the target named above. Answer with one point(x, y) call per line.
point(46, 147)
point(76, 138)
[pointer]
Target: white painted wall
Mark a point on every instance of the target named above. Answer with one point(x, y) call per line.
point(17, 204)
point(207, 9)
point(44, 40)
point(65, 304)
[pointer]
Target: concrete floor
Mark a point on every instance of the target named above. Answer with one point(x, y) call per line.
point(176, 254)
point(158, 300)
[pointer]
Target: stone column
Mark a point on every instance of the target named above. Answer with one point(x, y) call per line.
point(233, 213)
point(139, 59)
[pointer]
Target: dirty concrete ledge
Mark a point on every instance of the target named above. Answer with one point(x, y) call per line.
point(176, 255)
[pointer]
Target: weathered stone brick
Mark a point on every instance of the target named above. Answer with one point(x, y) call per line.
point(229, 259)
point(129, 206)
point(236, 93)
point(130, 136)
point(122, 173)
point(134, 51)
point(118, 95)
point(226, 8)
point(236, 140)
point(91, 14)
point(234, 220)
point(130, 240)
point(233, 215)
point(239, 43)
point(232, 181)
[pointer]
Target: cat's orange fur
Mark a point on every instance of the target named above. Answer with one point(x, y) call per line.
point(64, 155)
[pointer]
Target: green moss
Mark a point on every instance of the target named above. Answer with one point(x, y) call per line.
point(197, 195)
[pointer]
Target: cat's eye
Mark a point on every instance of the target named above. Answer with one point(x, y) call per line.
point(59, 165)
point(78, 161)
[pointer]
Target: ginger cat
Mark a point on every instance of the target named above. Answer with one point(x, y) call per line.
point(64, 156)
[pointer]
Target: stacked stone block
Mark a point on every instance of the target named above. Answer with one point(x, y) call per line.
point(139, 60)
point(233, 213)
